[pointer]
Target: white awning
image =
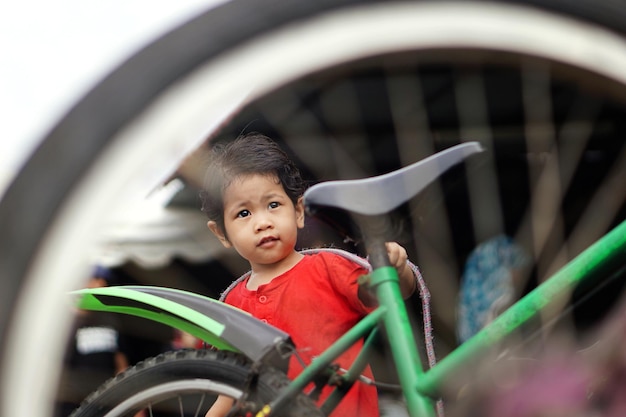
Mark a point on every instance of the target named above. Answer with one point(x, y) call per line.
point(150, 233)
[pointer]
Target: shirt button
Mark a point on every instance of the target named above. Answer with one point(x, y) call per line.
point(263, 299)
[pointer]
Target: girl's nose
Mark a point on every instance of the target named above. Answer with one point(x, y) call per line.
point(263, 223)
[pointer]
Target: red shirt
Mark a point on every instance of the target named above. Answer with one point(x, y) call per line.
point(315, 302)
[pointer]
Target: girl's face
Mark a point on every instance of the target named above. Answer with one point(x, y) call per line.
point(260, 220)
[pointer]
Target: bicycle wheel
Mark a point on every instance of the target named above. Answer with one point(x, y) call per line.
point(133, 129)
point(186, 383)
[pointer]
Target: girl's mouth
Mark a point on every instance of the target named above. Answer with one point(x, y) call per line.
point(267, 241)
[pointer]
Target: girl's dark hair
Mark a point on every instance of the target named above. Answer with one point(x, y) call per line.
point(252, 153)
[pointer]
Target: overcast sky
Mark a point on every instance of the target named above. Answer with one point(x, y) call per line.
point(53, 51)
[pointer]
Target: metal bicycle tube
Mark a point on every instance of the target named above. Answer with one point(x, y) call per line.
point(401, 342)
point(385, 282)
point(327, 357)
point(606, 253)
point(352, 374)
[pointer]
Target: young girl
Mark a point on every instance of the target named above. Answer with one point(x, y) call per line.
point(253, 199)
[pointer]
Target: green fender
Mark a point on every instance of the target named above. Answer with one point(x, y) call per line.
point(216, 323)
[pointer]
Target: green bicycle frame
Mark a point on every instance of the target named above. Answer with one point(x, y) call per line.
point(603, 257)
point(229, 328)
point(421, 387)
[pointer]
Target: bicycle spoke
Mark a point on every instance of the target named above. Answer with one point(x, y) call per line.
point(200, 405)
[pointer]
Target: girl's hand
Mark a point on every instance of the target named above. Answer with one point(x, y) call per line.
point(398, 258)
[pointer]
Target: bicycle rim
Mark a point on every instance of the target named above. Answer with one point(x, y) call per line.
point(168, 119)
point(186, 383)
point(179, 391)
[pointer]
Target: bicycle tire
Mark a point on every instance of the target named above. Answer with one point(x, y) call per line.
point(31, 209)
point(185, 383)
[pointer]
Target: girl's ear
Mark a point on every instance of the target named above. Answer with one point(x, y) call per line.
point(213, 227)
point(300, 213)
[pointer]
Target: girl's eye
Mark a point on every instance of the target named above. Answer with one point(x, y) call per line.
point(274, 204)
point(243, 213)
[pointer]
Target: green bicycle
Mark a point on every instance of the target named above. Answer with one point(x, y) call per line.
point(252, 353)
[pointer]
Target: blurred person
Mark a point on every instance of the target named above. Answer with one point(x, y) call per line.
point(566, 378)
point(94, 352)
point(491, 281)
point(558, 376)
